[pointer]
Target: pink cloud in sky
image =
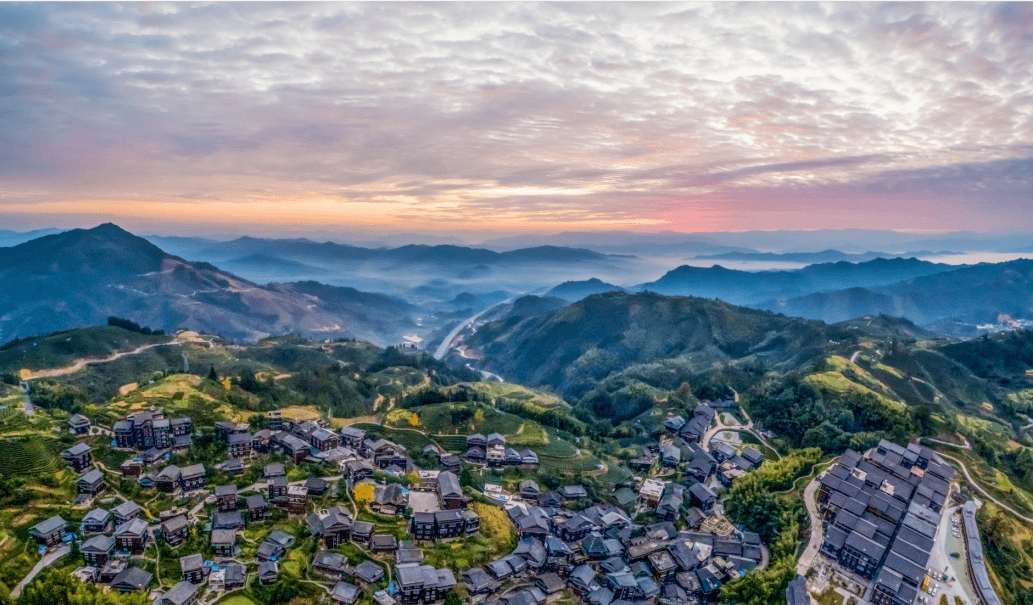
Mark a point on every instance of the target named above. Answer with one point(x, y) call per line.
point(522, 116)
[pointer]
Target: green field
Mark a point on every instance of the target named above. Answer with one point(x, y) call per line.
point(235, 599)
point(64, 348)
point(31, 455)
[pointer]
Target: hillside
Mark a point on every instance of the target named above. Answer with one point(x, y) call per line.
point(573, 348)
point(956, 300)
point(65, 347)
point(81, 277)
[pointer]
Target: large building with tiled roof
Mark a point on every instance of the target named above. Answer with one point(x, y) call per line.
point(883, 509)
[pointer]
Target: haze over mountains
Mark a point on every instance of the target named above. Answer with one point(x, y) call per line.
point(248, 288)
point(81, 277)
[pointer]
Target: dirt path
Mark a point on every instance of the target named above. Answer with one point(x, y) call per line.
point(82, 363)
point(355, 515)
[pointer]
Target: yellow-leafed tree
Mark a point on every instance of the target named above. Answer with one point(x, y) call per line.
point(414, 419)
point(364, 492)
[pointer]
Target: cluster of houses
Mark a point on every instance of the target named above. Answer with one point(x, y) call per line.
point(150, 429)
point(109, 538)
point(91, 480)
point(883, 510)
point(598, 553)
point(415, 582)
point(692, 430)
point(492, 451)
point(602, 557)
point(453, 519)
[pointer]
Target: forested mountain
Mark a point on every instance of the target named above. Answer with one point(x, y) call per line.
point(81, 277)
point(953, 301)
point(575, 347)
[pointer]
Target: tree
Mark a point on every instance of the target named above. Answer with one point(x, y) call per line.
point(52, 587)
point(414, 419)
point(212, 375)
point(453, 598)
point(364, 492)
point(248, 381)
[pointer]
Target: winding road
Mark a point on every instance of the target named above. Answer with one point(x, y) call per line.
point(980, 489)
point(446, 344)
point(48, 559)
point(817, 532)
point(747, 428)
point(82, 363)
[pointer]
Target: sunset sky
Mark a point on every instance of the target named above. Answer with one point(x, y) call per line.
point(517, 117)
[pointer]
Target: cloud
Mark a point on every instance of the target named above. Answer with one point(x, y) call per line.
point(684, 115)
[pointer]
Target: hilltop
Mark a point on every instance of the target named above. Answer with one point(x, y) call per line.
point(573, 348)
point(81, 277)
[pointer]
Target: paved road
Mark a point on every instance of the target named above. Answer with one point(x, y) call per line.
point(446, 344)
point(29, 410)
point(963, 446)
point(979, 488)
point(807, 558)
point(748, 428)
point(48, 559)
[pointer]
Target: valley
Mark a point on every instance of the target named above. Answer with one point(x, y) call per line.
point(589, 385)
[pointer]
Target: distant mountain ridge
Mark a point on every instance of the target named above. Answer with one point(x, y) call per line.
point(305, 249)
point(825, 256)
point(979, 294)
point(747, 288)
point(81, 277)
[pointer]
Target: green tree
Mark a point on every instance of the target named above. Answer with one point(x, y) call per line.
point(453, 598)
point(52, 587)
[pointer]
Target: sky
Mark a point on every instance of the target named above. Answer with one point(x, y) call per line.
point(500, 117)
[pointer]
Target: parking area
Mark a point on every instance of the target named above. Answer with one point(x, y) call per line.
point(960, 584)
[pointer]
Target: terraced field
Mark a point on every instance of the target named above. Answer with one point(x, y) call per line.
point(31, 455)
point(452, 443)
point(12, 420)
point(413, 441)
point(569, 464)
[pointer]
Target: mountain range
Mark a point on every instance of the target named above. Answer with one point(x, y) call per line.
point(81, 277)
point(951, 302)
point(752, 287)
point(824, 256)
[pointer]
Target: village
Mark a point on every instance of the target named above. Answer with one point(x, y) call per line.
point(372, 513)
